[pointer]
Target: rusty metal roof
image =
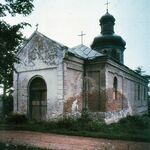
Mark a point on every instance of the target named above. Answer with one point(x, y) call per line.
point(84, 52)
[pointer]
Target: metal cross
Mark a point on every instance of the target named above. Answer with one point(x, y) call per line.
point(107, 5)
point(37, 25)
point(82, 34)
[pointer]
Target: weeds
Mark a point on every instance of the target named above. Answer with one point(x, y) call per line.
point(135, 128)
point(16, 118)
point(7, 146)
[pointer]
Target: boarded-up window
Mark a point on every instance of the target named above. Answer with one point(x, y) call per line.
point(38, 96)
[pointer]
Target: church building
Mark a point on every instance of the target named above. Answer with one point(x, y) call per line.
point(53, 80)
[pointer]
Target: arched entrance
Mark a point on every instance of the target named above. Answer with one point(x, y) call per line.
point(38, 99)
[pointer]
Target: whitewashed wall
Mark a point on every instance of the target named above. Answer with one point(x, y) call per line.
point(40, 57)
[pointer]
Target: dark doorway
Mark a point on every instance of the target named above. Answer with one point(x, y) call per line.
point(38, 99)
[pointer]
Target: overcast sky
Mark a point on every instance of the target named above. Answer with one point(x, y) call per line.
point(63, 20)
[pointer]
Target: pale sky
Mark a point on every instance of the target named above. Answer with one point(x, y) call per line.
point(63, 20)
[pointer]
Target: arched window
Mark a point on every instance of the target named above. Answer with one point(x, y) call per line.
point(115, 87)
point(139, 92)
point(145, 93)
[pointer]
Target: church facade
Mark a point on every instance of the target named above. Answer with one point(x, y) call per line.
point(53, 80)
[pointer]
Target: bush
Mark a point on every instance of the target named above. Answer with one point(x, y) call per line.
point(11, 146)
point(7, 105)
point(16, 118)
point(145, 119)
point(66, 123)
point(136, 121)
point(149, 106)
point(86, 116)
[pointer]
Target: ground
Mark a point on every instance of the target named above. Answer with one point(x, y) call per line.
point(63, 142)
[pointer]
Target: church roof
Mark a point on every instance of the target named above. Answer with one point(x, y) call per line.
point(84, 52)
point(37, 33)
point(80, 51)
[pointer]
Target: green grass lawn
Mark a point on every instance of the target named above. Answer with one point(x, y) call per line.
point(135, 128)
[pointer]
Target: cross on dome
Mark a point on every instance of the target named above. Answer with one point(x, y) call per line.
point(107, 3)
point(37, 25)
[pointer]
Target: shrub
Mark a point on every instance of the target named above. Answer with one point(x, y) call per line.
point(66, 122)
point(16, 118)
point(136, 121)
point(11, 146)
point(7, 104)
point(149, 106)
point(145, 119)
point(86, 116)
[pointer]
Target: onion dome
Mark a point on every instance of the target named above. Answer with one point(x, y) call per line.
point(108, 40)
point(107, 24)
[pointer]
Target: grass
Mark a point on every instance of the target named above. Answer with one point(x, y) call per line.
point(7, 146)
point(136, 128)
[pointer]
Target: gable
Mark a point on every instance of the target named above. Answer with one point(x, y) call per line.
point(40, 52)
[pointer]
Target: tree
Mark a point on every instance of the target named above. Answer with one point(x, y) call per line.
point(13, 7)
point(139, 70)
point(10, 38)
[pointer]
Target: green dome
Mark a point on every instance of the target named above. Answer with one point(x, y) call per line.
point(107, 38)
point(107, 18)
point(105, 41)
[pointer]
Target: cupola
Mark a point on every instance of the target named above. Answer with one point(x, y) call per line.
point(108, 42)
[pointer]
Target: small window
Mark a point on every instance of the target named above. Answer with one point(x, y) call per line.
point(139, 92)
point(145, 93)
point(115, 88)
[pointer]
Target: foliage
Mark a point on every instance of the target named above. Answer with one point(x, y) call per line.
point(147, 77)
point(86, 115)
point(136, 128)
point(16, 118)
point(66, 123)
point(7, 146)
point(7, 104)
point(138, 121)
point(14, 7)
point(10, 38)
point(141, 72)
point(149, 105)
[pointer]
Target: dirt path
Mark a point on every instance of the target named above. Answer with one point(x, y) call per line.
point(63, 142)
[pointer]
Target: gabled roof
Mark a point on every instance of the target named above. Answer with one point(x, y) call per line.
point(59, 45)
point(84, 52)
point(80, 51)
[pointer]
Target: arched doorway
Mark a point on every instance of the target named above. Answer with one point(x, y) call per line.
point(38, 99)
